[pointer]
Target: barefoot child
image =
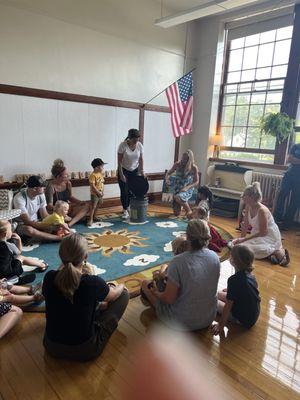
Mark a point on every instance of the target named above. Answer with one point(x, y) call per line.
point(11, 259)
point(58, 217)
point(240, 302)
point(96, 180)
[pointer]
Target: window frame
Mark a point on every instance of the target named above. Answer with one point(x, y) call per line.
point(288, 103)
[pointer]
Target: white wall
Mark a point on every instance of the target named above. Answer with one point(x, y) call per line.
point(103, 48)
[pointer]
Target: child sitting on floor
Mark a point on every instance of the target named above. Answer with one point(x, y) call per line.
point(216, 242)
point(205, 198)
point(57, 218)
point(96, 180)
point(240, 302)
point(11, 259)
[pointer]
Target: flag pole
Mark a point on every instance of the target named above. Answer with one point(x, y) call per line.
point(167, 87)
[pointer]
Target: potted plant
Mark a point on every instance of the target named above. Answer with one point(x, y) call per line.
point(279, 125)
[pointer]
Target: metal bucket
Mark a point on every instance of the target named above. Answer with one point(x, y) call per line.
point(138, 209)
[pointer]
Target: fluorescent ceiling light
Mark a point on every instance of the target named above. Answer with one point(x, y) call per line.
point(210, 8)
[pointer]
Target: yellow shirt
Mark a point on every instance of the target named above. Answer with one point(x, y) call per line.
point(54, 219)
point(96, 179)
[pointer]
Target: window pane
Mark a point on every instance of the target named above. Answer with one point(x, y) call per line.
point(282, 52)
point(261, 85)
point(227, 134)
point(278, 84)
point(246, 87)
point(231, 88)
point(229, 99)
point(235, 155)
point(237, 43)
point(258, 98)
point(250, 56)
point(235, 60)
point(284, 33)
point(272, 108)
point(253, 138)
point(268, 142)
point(263, 73)
point(266, 37)
point(239, 137)
point(241, 115)
point(274, 97)
point(251, 40)
point(248, 75)
point(243, 99)
point(265, 55)
point(228, 114)
point(279, 72)
point(256, 112)
point(233, 77)
point(298, 116)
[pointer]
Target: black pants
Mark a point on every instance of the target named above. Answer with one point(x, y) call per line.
point(125, 186)
point(290, 184)
point(106, 323)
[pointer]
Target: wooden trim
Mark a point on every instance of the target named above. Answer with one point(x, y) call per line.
point(156, 176)
point(78, 98)
point(248, 150)
point(141, 124)
point(222, 85)
point(250, 163)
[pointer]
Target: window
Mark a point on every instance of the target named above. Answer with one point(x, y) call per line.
point(297, 125)
point(256, 67)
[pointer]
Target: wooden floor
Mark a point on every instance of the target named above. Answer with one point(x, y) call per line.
point(263, 363)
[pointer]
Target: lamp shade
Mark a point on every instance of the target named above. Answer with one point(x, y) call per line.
point(216, 140)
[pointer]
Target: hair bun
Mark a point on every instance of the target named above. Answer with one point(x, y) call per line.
point(58, 167)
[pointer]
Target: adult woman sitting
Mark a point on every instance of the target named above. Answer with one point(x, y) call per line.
point(265, 238)
point(130, 164)
point(60, 188)
point(189, 300)
point(185, 180)
point(82, 311)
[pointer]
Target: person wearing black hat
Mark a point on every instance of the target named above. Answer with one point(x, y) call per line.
point(96, 180)
point(31, 201)
point(130, 164)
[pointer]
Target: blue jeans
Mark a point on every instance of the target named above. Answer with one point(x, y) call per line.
point(290, 184)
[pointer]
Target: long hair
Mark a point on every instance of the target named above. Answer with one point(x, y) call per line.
point(72, 251)
point(189, 164)
point(208, 194)
point(198, 234)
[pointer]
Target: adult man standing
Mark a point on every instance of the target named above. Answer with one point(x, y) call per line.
point(290, 185)
point(31, 201)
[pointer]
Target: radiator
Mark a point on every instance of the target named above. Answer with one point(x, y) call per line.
point(270, 185)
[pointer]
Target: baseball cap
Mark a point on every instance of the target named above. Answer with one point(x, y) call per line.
point(97, 162)
point(133, 133)
point(35, 181)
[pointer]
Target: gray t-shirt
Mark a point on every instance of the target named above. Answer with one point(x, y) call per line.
point(196, 273)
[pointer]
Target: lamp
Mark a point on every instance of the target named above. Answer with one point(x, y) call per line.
point(216, 141)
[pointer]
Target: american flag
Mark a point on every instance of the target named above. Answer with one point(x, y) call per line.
point(180, 99)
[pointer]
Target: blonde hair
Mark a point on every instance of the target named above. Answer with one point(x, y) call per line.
point(242, 257)
point(59, 205)
point(73, 252)
point(3, 227)
point(198, 234)
point(201, 213)
point(179, 245)
point(253, 191)
point(190, 163)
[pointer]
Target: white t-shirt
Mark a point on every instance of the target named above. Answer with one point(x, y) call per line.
point(130, 157)
point(30, 206)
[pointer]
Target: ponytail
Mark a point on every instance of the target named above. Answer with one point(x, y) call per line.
point(67, 280)
point(72, 251)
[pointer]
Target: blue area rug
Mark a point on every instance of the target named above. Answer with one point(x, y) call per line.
point(118, 248)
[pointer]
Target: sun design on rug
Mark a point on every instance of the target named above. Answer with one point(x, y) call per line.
point(110, 241)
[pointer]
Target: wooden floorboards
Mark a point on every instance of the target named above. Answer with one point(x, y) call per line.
point(262, 363)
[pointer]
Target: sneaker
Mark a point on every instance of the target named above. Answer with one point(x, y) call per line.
point(125, 214)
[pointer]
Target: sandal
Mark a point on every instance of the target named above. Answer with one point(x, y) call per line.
point(274, 259)
point(43, 269)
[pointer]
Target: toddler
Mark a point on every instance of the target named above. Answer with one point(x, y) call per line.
point(96, 180)
point(56, 220)
point(240, 302)
point(205, 198)
point(11, 260)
